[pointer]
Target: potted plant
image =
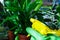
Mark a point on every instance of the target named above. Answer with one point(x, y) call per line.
point(18, 13)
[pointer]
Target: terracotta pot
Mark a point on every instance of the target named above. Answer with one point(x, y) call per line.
point(23, 37)
point(10, 35)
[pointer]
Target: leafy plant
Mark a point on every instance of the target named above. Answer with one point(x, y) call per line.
point(18, 12)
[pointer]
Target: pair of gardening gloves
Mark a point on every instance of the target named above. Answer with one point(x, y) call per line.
point(37, 36)
point(40, 31)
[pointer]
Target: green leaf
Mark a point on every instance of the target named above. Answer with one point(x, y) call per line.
point(8, 3)
point(39, 5)
point(17, 37)
point(31, 6)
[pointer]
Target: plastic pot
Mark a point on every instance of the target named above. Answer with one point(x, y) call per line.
point(23, 37)
point(10, 35)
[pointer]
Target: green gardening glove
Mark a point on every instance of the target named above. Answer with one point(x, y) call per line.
point(34, 34)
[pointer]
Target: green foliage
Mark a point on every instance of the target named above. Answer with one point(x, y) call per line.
point(58, 8)
point(17, 14)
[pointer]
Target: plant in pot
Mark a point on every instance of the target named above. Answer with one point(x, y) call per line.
point(18, 13)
